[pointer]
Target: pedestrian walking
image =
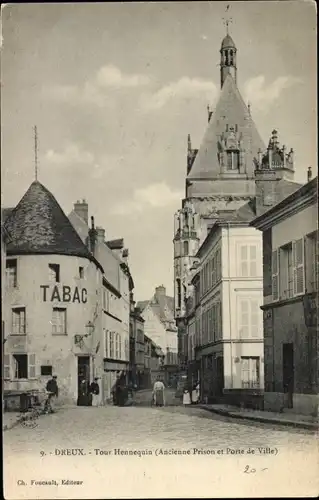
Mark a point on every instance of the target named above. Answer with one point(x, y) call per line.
point(186, 397)
point(95, 392)
point(158, 393)
point(196, 393)
point(53, 392)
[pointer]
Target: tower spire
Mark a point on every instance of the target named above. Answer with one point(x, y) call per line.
point(36, 152)
point(227, 19)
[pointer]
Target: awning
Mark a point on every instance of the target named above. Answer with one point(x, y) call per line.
point(115, 367)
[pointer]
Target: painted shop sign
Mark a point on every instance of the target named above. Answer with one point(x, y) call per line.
point(64, 294)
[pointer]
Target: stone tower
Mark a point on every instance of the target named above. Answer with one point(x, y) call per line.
point(220, 176)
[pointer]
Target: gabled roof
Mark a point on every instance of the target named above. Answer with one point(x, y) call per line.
point(38, 225)
point(162, 308)
point(232, 110)
point(142, 305)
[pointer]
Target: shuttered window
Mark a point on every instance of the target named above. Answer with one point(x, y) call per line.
point(298, 266)
point(249, 315)
point(7, 367)
point(32, 371)
point(59, 321)
point(275, 275)
point(247, 261)
point(18, 321)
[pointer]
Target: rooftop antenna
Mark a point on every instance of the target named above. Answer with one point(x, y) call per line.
point(36, 152)
point(227, 19)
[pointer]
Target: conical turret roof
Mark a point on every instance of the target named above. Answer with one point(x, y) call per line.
point(38, 225)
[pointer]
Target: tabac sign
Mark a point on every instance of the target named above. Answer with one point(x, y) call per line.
point(64, 294)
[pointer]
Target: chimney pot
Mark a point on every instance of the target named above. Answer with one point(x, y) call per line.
point(81, 208)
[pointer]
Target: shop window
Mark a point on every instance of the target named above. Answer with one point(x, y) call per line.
point(46, 370)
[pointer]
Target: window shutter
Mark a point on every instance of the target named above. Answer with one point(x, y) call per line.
point(244, 260)
point(6, 367)
point(253, 260)
point(244, 318)
point(254, 318)
point(275, 275)
point(31, 366)
point(298, 266)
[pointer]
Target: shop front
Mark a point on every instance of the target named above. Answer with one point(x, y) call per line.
point(112, 370)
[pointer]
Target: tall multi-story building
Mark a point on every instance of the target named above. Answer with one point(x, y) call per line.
point(230, 179)
point(117, 286)
point(290, 301)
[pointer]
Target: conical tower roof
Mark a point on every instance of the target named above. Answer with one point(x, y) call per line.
point(38, 225)
point(232, 110)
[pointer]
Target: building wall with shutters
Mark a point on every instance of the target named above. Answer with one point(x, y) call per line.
point(44, 345)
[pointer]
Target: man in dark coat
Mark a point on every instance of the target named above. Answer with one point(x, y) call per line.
point(53, 392)
point(95, 391)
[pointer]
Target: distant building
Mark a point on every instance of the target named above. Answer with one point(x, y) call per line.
point(137, 347)
point(160, 327)
point(290, 305)
point(52, 302)
point(153, 362)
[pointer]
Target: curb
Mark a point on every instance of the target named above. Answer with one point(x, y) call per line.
point(265, 420)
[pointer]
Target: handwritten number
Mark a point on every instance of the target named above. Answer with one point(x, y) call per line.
point(246, 469)
point(252, 471)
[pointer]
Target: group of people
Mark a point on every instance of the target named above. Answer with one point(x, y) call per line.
point(89, 393)
point(193, 396)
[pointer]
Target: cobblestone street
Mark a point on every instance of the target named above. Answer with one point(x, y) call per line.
point(37, 453)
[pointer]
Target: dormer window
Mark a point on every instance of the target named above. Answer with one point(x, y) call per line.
point(232, 160)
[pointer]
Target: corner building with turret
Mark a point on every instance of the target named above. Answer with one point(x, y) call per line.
point(230, 179)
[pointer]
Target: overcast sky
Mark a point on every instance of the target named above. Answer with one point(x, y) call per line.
point(114, 90)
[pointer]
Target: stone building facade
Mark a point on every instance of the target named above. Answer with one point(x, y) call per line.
point(290, 302)
point(52, 304)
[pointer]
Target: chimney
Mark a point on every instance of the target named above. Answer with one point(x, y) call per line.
point(160, 291)
point(309, 174)
point(81, 208)
point(92, 236)
point(100, 235)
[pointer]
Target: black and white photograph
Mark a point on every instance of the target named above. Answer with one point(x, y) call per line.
point(159, 250)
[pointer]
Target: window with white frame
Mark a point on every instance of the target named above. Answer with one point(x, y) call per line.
point(288, 270)
point(18, 321)
point(247, 261)
point(59, 326)
point(11, 272)
point(19, 366)
point(106, 343)
point(112, 345)
point(249, 315)
point(250, 372)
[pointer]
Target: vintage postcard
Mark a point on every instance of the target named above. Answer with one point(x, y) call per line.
point(159, 250)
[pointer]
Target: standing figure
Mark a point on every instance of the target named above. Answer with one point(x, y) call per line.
point(53, 392)
point(186, 397)
point(95, 391)
point(158, 393)
point(196, 393)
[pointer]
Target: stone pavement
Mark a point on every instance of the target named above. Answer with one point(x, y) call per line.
point(10, 419)
point(290, 419)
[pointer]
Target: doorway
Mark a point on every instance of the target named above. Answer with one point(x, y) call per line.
point(219, 375)
point(83, 381)
point(288, 373)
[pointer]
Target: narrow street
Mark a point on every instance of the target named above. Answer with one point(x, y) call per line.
point(104, 435)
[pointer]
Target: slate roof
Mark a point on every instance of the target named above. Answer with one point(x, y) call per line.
point(38, 225)
point(232, 110)
point(164, 308)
